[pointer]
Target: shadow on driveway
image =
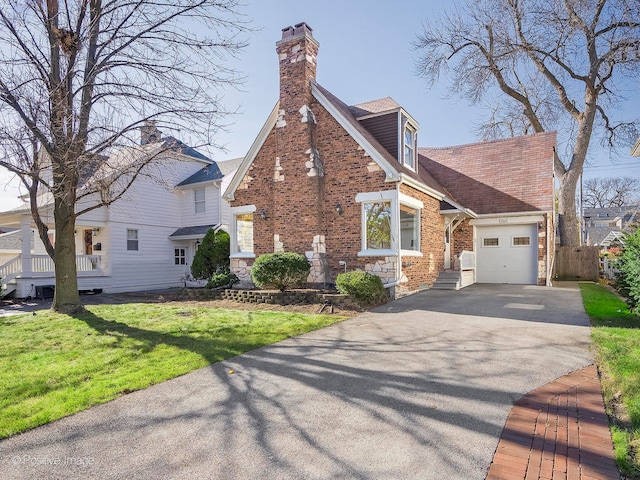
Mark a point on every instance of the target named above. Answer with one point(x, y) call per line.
point(419, 388)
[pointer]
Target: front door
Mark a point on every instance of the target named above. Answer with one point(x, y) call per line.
point(88, 242)
point(447, 247)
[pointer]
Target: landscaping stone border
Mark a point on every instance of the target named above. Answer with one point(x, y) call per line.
point(273, 297)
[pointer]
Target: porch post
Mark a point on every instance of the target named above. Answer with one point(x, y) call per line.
point(25, 237)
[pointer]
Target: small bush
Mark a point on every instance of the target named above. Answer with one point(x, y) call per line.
point(362, 285)
point(280, 270)
point(212, 256)
point(223, 278)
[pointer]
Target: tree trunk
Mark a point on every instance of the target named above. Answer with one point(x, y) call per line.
point(66, 298)
point(568, 225)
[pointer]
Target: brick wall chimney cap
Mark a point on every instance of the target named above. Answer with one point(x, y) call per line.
point(303, 27)
point(287, 32)
point(300, 29)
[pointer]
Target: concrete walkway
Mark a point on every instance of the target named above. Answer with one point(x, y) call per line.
point(420, 388)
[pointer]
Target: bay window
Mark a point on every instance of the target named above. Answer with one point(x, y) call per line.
point(390, 224)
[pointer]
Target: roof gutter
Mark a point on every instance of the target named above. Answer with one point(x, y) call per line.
point(412, 182)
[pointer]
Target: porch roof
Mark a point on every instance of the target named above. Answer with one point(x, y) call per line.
point(186, 233)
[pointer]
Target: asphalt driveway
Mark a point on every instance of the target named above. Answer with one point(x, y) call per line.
point(419, 388)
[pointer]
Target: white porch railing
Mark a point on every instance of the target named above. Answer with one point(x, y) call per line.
point(42, 265)
point(11, 269)
point(467, 268)
point(84, 263)
point(467, 260)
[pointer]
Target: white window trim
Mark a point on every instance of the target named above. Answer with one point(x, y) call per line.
point(521, 246)
point(396, 198)
point(234, 229)
point(482, 245)
point(413, 130)
point(418, 205)
point(410, 201)
point(178, 257)
point(126, 239)
point(371, 197)
point(196, 202)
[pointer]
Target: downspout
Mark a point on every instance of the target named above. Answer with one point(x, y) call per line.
point(551, 239)
point(220, 200)
point(396, 282)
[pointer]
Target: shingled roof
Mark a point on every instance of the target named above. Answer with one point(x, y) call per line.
point(205, 174)
point(380, 105)
point(508, 175)
point(347, 113)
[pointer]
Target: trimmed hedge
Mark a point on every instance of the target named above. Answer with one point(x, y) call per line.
point(281, 270)
point(362, 285)
point(223, 279)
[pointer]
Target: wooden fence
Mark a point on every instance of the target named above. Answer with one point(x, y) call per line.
point(577, 263)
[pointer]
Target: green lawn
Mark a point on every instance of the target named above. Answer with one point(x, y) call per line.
point(53, 365)
point(616, 334)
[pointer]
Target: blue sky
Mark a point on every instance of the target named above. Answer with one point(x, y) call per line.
point(365, 53)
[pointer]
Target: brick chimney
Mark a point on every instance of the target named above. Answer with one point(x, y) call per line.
point(150, 133)
point(297, 52)
point(298, 170)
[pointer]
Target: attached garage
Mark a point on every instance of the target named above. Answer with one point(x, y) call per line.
point(507, 254)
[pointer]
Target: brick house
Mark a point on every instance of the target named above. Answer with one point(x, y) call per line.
point(348, 187)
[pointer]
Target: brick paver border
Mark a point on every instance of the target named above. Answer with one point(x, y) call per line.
point(558, 431)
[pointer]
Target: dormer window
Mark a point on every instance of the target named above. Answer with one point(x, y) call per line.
point(409, 158)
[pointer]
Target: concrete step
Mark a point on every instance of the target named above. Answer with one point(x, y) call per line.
point(8, 289)
point(445, 286)
point(447, 280)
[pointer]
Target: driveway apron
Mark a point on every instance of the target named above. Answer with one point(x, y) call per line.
point(418, 388)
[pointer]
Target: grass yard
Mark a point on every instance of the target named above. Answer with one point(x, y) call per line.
point(53, 365)
point(616, 334)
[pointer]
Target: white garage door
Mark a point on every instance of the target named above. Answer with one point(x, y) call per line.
point(507, 254)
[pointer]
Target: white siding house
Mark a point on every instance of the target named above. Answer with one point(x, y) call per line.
point(146, 240)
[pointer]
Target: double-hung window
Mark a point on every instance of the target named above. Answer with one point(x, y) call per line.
point(199, 200)
point(409, 147)
point(132, 240)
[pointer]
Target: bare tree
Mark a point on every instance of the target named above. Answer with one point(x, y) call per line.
point(80, 77)
point(557, 65)
point(610, 192)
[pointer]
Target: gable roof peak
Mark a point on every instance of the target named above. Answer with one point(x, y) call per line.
point(380, 105)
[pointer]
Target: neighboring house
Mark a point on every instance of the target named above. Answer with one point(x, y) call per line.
point(348, 186)
point(605, 227)
point(145, 240)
